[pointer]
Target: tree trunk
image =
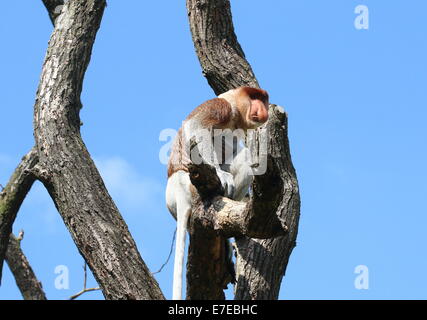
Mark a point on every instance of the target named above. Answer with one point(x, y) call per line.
point(66, 168)
point(222, 59)
point(260, 264)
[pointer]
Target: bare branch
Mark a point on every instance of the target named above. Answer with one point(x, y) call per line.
point(12, 196)
point(169, 256)
point(26, 280)
point(84, 290)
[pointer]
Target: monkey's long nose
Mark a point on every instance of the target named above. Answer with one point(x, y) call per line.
point(263, 116)
point(260, 116)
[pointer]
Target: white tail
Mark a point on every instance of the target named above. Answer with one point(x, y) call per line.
point(178, 200)
point(183, 213)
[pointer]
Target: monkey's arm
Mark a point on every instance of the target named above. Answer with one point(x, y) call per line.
point(206, 153)
point(204, 127)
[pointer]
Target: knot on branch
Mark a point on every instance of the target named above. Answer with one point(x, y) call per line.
point(39, 172)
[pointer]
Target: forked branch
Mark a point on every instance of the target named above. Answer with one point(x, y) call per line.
point(66, 168)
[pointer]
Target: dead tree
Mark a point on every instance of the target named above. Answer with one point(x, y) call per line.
point(265, 227)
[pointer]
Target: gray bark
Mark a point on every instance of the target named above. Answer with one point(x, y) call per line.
point(66, 168)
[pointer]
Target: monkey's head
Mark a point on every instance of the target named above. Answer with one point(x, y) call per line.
point(252, 104)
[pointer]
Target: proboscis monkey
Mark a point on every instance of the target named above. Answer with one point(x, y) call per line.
point(234, 111)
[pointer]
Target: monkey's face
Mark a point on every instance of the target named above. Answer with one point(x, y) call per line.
point(257, 113)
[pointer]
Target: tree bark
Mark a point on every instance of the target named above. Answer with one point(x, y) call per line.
point(227, 217)
point(66, 168)
point(11, 198)
point(260, 264)
point(26, 280)
point(221, 57)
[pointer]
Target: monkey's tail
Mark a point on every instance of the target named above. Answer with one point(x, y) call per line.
point(183, 214)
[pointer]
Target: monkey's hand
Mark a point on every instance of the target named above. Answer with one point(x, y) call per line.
point(227, 182)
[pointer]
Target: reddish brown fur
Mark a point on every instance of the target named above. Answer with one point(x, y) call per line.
point(178, 158)
point(216, 113)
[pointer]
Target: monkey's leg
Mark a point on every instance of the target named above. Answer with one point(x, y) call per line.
point(242, 174)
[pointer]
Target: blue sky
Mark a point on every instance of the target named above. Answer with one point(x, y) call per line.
point(357, 108)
